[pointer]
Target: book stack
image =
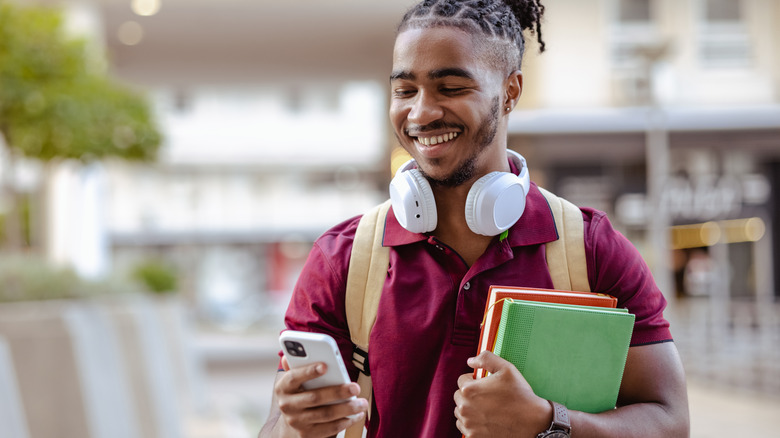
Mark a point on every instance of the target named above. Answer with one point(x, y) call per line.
point(571, 347)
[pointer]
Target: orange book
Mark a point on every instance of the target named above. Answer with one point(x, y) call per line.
point(495, 302)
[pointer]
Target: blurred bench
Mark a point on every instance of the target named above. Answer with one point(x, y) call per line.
point(11, 411)
point(119, 367)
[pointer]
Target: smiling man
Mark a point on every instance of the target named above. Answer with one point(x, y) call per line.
point(456, 77)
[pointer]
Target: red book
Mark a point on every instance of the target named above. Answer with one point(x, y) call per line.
point(495, 302)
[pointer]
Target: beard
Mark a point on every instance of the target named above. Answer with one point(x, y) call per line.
point(485, 135)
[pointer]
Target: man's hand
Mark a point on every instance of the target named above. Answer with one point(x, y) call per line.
point(302, 413)
point(499, 405)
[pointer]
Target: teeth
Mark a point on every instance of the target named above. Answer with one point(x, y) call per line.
point(437, 139)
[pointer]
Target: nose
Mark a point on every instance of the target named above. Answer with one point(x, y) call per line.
point(425, 109)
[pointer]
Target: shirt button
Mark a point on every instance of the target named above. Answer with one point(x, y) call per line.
point(467, 286)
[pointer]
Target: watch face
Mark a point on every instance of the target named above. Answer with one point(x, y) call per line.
point(555, 434)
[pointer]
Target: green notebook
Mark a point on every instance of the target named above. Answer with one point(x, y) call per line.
point(570, 354)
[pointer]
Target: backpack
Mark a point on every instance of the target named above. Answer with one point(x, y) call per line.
point(368, 270)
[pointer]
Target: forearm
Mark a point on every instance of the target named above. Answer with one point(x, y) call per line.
point(653, 400)
point(273, 425)
point(636, 420)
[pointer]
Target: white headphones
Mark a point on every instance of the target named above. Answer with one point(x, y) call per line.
point(494, 203)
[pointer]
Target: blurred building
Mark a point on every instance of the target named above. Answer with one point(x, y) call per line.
point(274, 124)
point(664, 113)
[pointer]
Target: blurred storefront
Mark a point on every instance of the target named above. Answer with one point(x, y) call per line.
point(720, 193)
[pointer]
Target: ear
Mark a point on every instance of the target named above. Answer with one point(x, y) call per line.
point(513, 88)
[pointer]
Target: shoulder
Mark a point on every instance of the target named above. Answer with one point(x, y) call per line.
point(339, 238)
point(616, 267)
point(330, 253)
point(317, 301)
point(608, 251)
point(341, 230)
point(602, 240)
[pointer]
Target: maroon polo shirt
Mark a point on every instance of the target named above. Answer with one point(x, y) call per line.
point(432, 306)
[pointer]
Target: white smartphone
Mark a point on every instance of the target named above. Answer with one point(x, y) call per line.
point(303, 348)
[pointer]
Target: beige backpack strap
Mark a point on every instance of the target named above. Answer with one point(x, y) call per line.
point(566, 256)
point(365, 280)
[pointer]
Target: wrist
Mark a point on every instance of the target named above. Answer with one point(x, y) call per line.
point(560, 426)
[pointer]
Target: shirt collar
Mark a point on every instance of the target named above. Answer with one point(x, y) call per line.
point(396, 235)
point(535, 226)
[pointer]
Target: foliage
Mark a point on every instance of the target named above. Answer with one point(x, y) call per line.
point(156, 276)
point(27, 277)
point(25, 213)
point(54, 101)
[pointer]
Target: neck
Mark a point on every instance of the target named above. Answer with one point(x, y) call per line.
point(452, 228)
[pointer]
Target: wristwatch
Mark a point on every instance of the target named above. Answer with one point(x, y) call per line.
point(560, 427)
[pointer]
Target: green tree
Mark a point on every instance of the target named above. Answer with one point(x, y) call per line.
point(57, 103)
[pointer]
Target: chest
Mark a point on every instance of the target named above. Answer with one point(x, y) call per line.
point(432, 292)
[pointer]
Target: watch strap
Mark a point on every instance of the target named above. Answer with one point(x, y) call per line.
point(561, 426)
point(560, 417)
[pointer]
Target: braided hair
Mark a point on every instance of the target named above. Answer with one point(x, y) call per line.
point(502, 22)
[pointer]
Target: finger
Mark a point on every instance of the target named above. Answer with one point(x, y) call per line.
point(327, 420)
point(462, 428)
point(489, 361)
point(468, 389)
point(295, 378)
point(332, 428)
point(315, 398)
point(464, 380)
point(318, 414)
point(458, 397)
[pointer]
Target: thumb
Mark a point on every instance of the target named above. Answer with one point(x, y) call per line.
point(489, 361)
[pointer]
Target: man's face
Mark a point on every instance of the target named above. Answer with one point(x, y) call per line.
point(445, 105)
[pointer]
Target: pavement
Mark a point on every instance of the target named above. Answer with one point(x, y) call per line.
point(240, 373)
point(717, 411)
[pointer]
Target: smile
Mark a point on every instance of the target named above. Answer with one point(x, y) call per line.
point(436, 139)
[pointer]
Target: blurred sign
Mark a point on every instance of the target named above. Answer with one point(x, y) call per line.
point(708, 197)
point(700, 198)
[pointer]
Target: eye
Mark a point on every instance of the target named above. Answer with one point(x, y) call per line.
point(403, 92)
point(452, 90)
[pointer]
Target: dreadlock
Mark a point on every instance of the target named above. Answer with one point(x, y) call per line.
point(501, 21)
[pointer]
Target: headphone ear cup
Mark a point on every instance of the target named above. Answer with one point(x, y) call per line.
point(494, 203)
point(413, 202)
point(471, 201)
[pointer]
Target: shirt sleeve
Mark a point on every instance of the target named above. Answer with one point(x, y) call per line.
point(615, 267)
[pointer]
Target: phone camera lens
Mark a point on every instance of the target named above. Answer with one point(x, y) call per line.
point(295, 348)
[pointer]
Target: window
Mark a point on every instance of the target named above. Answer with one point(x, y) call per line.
point(634, 11)
point(724, 39)
point(633, 27)
point(723, 10)
point(634, 32)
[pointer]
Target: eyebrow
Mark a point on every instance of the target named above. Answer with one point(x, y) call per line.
point(401, 75)
point(451, 71)
point(434, 74)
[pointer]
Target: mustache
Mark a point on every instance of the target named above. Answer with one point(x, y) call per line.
point(415, 130)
